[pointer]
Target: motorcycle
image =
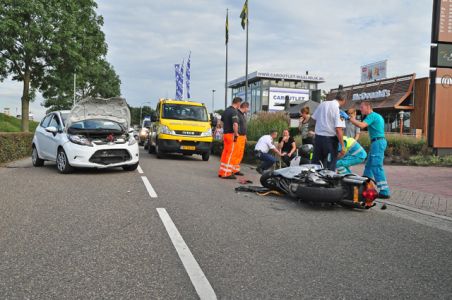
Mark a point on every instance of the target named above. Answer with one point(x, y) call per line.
point(312, 183)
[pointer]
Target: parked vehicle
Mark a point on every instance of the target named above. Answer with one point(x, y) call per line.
point(144, 132)
point(94, 134)
point(312, 183)
point(180, 127)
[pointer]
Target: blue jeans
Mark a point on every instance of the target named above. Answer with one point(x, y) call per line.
point(374, 166)
point(325, 151)
point(267, 160)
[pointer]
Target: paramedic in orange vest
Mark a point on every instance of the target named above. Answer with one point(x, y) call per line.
point(241, 139)
point(230, 121)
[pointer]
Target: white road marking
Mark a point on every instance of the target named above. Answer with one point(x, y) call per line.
point(140, 170)
point(149, 187)
point(197, 277)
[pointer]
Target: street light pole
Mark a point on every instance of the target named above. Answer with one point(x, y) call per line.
point(213, 100)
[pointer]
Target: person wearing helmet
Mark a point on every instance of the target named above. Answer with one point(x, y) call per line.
point(354, 154)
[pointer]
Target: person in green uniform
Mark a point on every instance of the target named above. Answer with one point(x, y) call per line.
point(374, 165)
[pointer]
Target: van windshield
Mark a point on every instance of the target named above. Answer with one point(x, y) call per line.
point(185, 112)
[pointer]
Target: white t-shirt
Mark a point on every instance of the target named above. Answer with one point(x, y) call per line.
point(265, 144)
point(327, 118)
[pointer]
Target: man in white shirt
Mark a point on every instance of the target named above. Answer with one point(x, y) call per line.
point(328, 132)
point(263, 146)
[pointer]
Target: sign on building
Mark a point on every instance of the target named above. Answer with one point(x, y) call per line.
point(374, 71)
point(277, 97)
point(442, 21)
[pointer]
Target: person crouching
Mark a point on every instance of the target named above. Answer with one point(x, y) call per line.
point(262, 149)
point(354, 154)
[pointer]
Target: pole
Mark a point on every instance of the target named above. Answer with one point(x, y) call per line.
point(213, 100)
point(75, 78)
point(246, 69)
point(226, 75)
point(141, 112)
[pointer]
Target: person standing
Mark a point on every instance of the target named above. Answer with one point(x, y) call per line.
point(329, 132)
point(350, 129)
point(307, 126)
point(287, 146)
point(230, 121)
point(263, 146)
point(241, 139)
point(374, 165)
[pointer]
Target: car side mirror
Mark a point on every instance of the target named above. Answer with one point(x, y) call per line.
point(52, 129)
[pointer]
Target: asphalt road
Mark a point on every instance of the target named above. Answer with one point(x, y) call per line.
point(97, 234)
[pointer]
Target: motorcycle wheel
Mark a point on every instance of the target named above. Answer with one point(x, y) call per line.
point(270, 181)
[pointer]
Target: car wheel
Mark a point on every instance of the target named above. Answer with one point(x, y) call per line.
point(205, 156)
point(158, 152)
point(62, 163)
point(130, 167)
point(37, 162)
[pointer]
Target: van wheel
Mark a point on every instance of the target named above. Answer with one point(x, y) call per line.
point(37, 162)
point(62, 163)
point(205, 156)
point(130, 167)
point(158, 152)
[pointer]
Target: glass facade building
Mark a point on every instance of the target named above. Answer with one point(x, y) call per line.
point(266, 91)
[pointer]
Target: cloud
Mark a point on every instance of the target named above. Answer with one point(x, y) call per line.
point(328, 38)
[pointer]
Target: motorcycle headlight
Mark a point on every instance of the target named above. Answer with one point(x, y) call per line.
point(165, 130)
point(207, 133)
point(79, 140)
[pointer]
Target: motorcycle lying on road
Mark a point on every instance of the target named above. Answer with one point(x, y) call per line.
point(312, 183)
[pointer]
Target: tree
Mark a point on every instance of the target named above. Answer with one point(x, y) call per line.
point(42, 39)
point(97, 80)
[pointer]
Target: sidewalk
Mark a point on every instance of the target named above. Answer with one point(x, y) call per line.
point(424, 188)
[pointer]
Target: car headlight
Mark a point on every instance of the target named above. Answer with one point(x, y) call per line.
point(207, 133)
point(132, 140)
point(79, 140)
point(165, 130)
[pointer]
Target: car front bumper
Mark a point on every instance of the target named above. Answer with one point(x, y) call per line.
point(101, 157)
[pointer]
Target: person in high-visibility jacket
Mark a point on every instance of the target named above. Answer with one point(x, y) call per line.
point(230, 121)
point(354, 154)
point(241, 139)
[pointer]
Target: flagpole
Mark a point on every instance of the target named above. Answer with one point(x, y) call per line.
point(246, 69)
point(226, 73)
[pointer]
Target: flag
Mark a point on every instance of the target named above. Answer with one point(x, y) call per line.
point(187, 74)
point(178, 88)
point(244, 14)
point(181, 80)
point(227, 28)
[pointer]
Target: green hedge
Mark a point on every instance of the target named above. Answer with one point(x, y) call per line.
point(15, 145)
point(263, 122)
point(401, 146)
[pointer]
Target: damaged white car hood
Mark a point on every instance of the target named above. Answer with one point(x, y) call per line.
point(113, 109)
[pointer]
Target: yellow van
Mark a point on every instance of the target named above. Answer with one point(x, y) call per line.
point(180, 127)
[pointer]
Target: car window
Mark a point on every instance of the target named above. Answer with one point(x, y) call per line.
point(55, 122)
point(45, 122)
point(64, 117)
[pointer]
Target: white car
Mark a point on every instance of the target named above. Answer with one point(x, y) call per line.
point(94, 134)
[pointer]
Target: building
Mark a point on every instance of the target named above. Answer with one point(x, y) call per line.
point(393, 98)
point(267, 91)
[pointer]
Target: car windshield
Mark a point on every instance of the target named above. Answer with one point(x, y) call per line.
point(96, 125)
point(64, 117)
point(184, 112)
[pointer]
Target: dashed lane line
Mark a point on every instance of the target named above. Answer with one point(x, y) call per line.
point(149, 187)
point(140, 170)
point(197, 277)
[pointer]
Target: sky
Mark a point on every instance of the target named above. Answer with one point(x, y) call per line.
point(328, 38)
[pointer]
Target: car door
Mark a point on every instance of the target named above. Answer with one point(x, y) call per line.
point(53, 139)
point(41, 137)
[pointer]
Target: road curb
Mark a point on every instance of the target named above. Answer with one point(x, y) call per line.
point(424, 212)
